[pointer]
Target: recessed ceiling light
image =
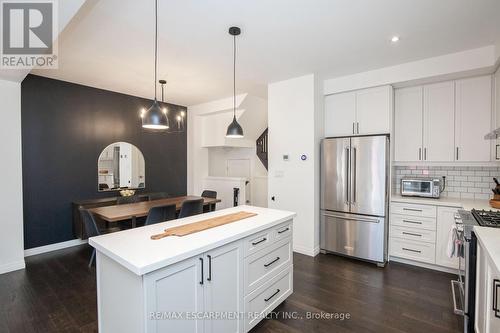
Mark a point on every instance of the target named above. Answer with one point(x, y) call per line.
point(395, 39)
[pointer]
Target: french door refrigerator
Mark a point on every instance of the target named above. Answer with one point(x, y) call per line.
point(354, 196)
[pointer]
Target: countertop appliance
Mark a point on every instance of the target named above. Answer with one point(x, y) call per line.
point(354, 197)
point(421, 187)
point(465, 221)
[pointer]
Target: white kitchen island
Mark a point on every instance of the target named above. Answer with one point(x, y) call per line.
point(224, 279)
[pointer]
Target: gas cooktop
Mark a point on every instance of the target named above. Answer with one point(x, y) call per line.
point(487, 218)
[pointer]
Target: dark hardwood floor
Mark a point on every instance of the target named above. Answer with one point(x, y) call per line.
point(57, 293)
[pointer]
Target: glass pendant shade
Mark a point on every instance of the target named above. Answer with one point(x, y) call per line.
point(234, 130)
point(155, 118)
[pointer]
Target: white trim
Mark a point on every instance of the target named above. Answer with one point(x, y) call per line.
point(424, 265)
point(53, 247)
point(306, 250)
point(13, 266)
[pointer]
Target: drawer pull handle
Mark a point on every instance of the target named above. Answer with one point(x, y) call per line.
point(496, 285)
point(413, 210)
point(269, 298)
point(201, 281)
point(272, 262)
point(410, 250)
point(284, 230)
point(411, 234)
point(412, 222)
point(258, 242)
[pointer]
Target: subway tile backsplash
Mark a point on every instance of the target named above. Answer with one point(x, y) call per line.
point(461, 182)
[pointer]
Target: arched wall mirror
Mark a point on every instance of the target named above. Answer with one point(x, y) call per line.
point(120, 165)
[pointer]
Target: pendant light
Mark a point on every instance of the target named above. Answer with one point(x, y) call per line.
point(234, 129)
point(155, 118)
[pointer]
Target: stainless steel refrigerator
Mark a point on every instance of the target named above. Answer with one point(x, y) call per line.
point(354, 196)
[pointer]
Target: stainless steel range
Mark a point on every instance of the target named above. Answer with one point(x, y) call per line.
point(465, 287)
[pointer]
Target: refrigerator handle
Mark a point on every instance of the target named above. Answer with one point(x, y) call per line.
point(347, 153)
point(354, 166)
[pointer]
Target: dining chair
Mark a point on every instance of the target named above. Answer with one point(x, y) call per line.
point(191, 207)
point(161, 214)
point(92, 230)
point(209, 194)
point(158, 195)
point(127, 200)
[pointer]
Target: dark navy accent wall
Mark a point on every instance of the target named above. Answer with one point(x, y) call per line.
point(65, 127)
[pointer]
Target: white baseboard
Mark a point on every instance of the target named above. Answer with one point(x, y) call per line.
point(311, 252)
point(424, 265)
point(53, 247)
point(13, 266)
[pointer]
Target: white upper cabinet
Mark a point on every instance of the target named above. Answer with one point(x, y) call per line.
point(373, 110)
point(439, 109)
point(444, 122)
point(340, 114)
point(360, 112)
point(408, 124)
point(473, 118)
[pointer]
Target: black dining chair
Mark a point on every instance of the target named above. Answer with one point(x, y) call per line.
point(209, 194)
point(159, 195)
point(92, 230)
point(191, 207)
point(127, 200)
point(161, 214)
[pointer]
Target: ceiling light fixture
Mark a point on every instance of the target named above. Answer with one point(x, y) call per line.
point(395, 39)
point(155, 118)
point(234, 129)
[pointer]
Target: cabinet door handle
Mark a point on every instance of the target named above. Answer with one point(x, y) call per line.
point(412, 222)
point(262, 240)
point(201, 281)
point(411, 234)
point(425, 154)
point(282, 231)
point(209, 278)
point(419, 154)
point(457, 153)
point(411, 250)
point(269, 298)
point(272, 262)
point(357, 128)
point(496, 285)
point(353, 128)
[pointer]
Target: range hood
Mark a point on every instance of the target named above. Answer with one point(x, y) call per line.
point(493, 135)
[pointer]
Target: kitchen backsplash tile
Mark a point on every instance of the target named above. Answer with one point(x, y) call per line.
point(461, 182)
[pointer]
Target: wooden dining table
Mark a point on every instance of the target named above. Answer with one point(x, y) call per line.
point(140, 209)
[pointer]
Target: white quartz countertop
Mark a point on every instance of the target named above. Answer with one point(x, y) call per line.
point(489, 238)
point(135, 250)
point(467, 204)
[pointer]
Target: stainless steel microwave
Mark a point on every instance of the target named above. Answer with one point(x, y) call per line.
point(421, 187)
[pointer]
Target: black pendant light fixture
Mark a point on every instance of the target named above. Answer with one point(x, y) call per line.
point(155, 117)
point(234, 129)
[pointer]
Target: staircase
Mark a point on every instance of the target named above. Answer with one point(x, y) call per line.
point(261, 147)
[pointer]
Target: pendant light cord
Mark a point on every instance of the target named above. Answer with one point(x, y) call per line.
point(234, 76)
point(156, 42)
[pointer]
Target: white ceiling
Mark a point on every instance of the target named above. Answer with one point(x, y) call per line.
point(109, 43)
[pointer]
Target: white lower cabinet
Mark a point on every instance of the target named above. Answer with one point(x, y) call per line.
point(420, 232)
point(445, 220)
point(226, 290)
point(487, 294)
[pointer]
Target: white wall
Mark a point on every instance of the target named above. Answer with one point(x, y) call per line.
point(11, 199)
point(295, 116)
point(451, 66)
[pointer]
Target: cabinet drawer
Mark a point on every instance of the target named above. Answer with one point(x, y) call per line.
point(413, 234)
point(418, 251)
point(282, 231)
point(259, 241)
point(263, 300)
point(425, 223)
point(413, 209)
point(263, 265)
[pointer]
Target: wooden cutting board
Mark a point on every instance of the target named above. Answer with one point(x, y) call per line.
point(213, 222)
